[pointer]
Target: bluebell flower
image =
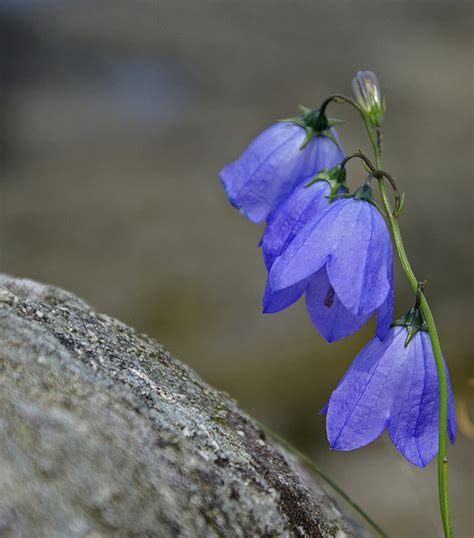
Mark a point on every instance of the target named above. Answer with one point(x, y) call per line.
point(395, 386)
point(284, 224)
point(340, 256)
point(278, 160)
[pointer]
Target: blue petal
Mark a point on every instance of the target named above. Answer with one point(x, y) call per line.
point(360, 258)
point(289, 218)
point(385, 312)
point(413, 422)
point(274, 301)
point(234, 175)
point(310, 249)
point(272, 166)
point(326, 154)
point(451, 413)
point(328, 314)
point(360, 405)
point(351, 236)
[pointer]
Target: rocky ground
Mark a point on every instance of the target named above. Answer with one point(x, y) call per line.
point(104, 433)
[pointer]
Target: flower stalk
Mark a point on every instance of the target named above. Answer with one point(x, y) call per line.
point(443, 387)
point(431, 325)
point(424, 306)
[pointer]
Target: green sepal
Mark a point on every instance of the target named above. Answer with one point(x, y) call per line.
point(376, 113)
point(364, 192)
point(297, 120)
point(304, 109)
point(335, 121)
point(314, 124)
point(332, 197)
point(310, 134)
point(335, 177)
point(413, 322)
point(402, 205)
point(330, 135)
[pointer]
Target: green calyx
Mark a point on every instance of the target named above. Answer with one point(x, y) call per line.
point(336, 177)
point(376, 113)
point(314, 123)
point(364, 192)
point(413, 321)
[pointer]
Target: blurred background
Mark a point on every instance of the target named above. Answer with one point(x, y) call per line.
point(116, 118)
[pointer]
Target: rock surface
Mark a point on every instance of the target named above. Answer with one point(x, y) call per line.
point(103, 433)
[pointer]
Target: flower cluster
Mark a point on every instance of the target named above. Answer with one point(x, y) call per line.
point(334, 248)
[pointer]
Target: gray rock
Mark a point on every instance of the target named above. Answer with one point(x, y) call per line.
point(103, 433)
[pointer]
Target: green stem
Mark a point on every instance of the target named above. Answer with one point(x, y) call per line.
point(338, 98)
point(428, 316)
point(430, 323)
point(443, 385)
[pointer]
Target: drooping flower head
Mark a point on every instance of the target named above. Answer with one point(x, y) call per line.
point(392, 383)
point(279, 159)
point(342, 258)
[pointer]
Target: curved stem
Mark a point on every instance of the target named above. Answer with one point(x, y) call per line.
point(358, 155)
point(430, 323)
point(380, 174)
point(443, 385)
point(338, 98)
point(428, 316)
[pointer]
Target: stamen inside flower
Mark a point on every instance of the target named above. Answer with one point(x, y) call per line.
point(329, 299)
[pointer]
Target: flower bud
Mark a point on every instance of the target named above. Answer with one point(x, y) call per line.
point(366, 91)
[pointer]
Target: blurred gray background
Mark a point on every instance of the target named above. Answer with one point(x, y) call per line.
point(116, 119)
